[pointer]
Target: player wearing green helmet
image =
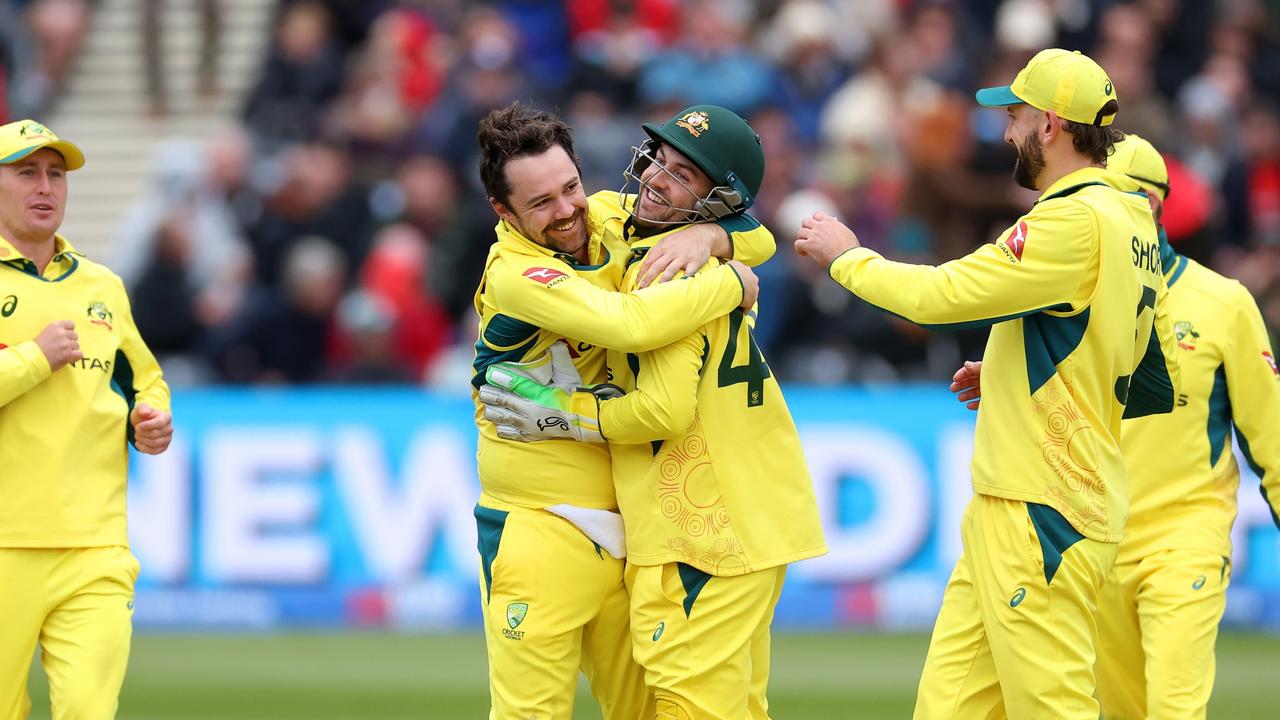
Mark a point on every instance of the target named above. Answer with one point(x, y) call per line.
point(708, 471)
point(706, 138)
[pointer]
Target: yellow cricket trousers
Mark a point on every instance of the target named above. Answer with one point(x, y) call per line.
point(77, 603)
point(1016, 633)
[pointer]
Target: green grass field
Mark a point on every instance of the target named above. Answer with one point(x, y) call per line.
point(367, 676)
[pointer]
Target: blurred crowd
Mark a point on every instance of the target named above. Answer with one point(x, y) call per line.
point(338, 233)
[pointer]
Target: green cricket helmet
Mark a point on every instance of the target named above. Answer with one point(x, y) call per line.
point(720, 143)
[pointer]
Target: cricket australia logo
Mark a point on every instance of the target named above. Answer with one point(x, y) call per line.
point(1186, 335)
point(99, 314)
point(33, 129)
point(695, 122)
point(516, 613)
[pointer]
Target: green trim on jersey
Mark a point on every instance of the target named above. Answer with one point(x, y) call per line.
point(1072, 190)
point(572, 261)
point(1257, 470)
point(1056, 536)
point(1150, 389)
point(27, 267)
point(501, 342)
point(489, 526)
point(1219, 425)
point(1047, 341)
point(122, 383)
point(693, 580)
point(1180, 266)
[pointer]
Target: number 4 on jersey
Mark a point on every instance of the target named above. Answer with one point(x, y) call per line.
point(753, 373)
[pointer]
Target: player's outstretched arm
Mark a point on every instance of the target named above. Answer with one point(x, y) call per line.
point(741, 238)
point(631, 322)
point(1042, 262)
point(666, 396)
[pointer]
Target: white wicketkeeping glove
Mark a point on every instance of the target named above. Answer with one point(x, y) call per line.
point(526, 407)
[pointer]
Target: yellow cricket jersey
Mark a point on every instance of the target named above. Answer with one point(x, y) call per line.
point(63, 454)
point(530, 297)
point(1081, 338)
point(706, 459)
point(1183, 476)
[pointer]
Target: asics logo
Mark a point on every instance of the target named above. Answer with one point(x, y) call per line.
point(1018, 595)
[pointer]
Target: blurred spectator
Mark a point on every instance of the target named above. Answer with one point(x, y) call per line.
point(313, 195)
point(283, 334)
point(396, 78)
point(711, 62)
point(803, 42)
point(303, 71)
point(612, 41)
point(201, 184)
point(366, 325)
point(396, 272)
point(1127, 48)
point(458, 226)
point(39, 40)
point(153, 52)
point(486, 76)
point(164, 297)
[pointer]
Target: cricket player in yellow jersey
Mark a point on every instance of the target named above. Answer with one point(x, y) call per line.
point(1079, 339)
point(551, 542)
point(1167, 592)
point(710, 475)
point(76, 385)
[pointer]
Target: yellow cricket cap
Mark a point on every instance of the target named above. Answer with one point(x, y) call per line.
point(20, 139)
point(1064, 81)
point(1139, 159)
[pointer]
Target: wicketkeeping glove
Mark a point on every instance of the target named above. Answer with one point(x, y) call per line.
point(524, 409)
point(554, 367)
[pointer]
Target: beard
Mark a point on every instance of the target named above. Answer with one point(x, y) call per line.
point(653, 216)
point(1030, 162)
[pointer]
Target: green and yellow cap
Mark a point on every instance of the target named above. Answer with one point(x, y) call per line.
point(20, 139)
point(1137, 158)
point(1064, 81)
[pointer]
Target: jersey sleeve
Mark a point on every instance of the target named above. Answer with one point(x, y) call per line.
point(1156, 381)
point(136, 372)
point(666, 396)
point(750, 242)
point(1044, 261)
point(22, 367)
point(1253, 386)
point(630, 322)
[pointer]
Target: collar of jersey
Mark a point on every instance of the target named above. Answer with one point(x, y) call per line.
point(511, 239)
point(64, 254)
point(1073, 181)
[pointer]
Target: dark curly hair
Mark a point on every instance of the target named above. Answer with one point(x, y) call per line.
point(1095, 141)
point(515, 131)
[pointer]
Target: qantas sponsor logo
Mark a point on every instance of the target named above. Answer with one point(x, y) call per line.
point(546, 276)
point(1016, 240)
point(1271, 360)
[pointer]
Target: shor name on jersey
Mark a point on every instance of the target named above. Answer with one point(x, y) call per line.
point(1146, 255)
